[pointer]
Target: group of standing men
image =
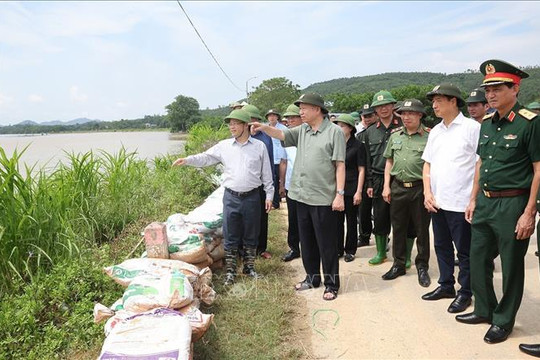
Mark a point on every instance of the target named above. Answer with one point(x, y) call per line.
point(476, 180)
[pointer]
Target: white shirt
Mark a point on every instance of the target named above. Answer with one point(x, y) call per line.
point(247, 166)
point(451, 152)
point(290, 153)
point(279, 153)
point(359, 127)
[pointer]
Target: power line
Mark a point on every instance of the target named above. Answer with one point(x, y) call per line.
point(207, 48)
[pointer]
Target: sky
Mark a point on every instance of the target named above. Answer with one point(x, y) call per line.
point(124, 60)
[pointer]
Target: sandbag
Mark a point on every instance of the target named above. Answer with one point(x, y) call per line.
point(217, 253)
point(157, 334)
point(191, 250)
point(147, 292)
point(200, 323)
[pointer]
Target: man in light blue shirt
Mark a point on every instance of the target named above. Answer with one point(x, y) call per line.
point(273, 118)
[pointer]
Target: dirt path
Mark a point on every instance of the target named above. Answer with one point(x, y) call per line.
point(377, 319)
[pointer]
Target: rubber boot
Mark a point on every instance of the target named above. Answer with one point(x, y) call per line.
point(249, 262)
point(230, 266)
point(380, 241)
point(410, 243)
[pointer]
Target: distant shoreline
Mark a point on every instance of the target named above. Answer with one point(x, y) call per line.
point(172, 136)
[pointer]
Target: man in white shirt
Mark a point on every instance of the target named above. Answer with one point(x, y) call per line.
point(247, 167)
point(273, 118)
point(450, 158)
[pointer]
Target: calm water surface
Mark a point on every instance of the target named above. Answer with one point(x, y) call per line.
point(46, 150)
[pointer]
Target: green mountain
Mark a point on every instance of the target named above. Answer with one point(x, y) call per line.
point(530, 87)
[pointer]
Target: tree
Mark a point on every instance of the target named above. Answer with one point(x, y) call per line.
point(182, 113)
point(276, 93)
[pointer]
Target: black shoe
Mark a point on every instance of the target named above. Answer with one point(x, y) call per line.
point(440, 293)
point(291, 255)
point(532, 349)
point(423, 277)
point(472, 319)
point(340, 255)
point(349, 257)
point(394, 272)
point(460, 304)
point(496, 334)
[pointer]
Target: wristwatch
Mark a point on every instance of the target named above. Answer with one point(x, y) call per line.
point(340, 192)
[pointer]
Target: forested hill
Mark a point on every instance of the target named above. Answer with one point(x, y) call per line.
point(530, 87)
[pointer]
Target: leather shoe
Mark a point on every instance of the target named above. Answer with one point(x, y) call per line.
point(440, 293)
point(423, 277)
point(291, 255)
point(349, 257)
point(496, 334)
point(460, 304)
point(532, 349)
point(472, 319)
point(394, 272)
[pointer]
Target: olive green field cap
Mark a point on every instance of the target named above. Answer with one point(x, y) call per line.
point(292, 110)
point(499, 72)
point(412, 105)
point(447, 89)
point(253, 111)
point(367, 110)
point(478, 95)
point(272, 111)
point(312, 99)
point(347, 119)
point(355, 115)
point(383, 97)
point(535, 105)
point(238, 114)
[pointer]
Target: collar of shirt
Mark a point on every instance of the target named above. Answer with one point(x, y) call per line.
point(325, 123)
point(393, 123)
point(236, 142)
point(508, 117)
point(420, 131)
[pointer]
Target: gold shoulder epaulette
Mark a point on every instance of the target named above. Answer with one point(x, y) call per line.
point(487, 116)
point(527, 114)
point(397, 129)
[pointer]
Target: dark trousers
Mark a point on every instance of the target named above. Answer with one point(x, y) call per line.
point(241, 219)
point(293, 238)
point(276, 200)
point(381, 209)
point(263, 236)
point(406, 209)
point(493, 226)
point(448, 227)
point(317, 226)
point(364, 216)
point(351, 239)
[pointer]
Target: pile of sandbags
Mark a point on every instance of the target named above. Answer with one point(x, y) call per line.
point(158, 315)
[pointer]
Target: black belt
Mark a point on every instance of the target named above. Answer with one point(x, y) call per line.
point(241, 194)
point(409, 184)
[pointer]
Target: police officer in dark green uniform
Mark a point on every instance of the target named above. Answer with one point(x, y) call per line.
point(404, 191)
point(477, 105)
point(534, 349)
point(502, 209)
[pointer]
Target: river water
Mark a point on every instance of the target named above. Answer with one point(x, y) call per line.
point(46, 150)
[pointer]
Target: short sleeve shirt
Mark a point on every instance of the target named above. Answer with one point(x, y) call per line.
point(406, 151)
point(313, 180)
point(508, 146)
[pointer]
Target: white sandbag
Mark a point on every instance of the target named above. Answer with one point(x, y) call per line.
point(125, 272)
point(147, 292)
point(200, 323)
point(218, 253)
point(157, 334)
point(191, 250)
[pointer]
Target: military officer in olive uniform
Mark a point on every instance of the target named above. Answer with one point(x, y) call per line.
point(404, 191)
point(375, 139)
point(477, 105)
point(502, 208)
point(534, 349)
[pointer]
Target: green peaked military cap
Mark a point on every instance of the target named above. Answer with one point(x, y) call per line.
point(292, 110)
point(253, 111)
point(383, 97)
point(535, 105)
point(367, 110)
point(312, 99)
point(347, 119)
point(238, 114)
point(447, 89)
point(272, 111)
point(478, 95)
point(499, 72)
point(355, 115)
point(412, 105)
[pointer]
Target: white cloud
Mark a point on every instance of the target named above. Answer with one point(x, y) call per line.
point(34, 98)
point(76, 96)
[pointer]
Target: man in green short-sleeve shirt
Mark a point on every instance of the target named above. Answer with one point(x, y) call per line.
point(317, 184)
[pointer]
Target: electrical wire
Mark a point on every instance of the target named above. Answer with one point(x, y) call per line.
point(207, 48)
